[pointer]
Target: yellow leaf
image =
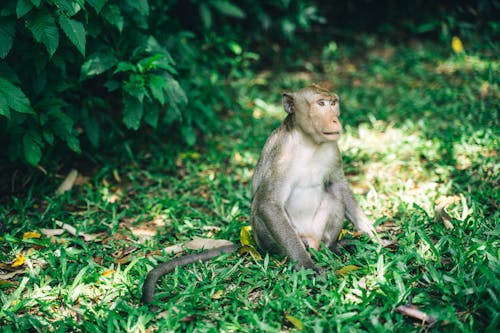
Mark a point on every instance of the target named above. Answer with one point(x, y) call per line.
point(19, 261)
point(250, 249)
point(343, 232)
point(456, 45)
point(108, 272)
point(31, 234)
point(246, 238)
point(295, 322)
point(346, 269)
point(6, 283)
point(217, 294)
point(116, 176)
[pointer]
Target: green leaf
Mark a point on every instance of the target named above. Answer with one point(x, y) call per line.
point(69, 7)
point(228, 9)
point(125, 67)
point(157, 84)
point(91, 126)
point(36, 2)
point(75, 31)
point(97, 4)
point(7, 31)
point(176, 95)
point(31, 147)
point(206, 16)
point(62, 126)
point(141, 5)
point(97, 64)
point(113, 15)
point(15, 97)
point(45, 31)
point(132, 112)
point(151, 115)
point(188, 134)
point(23, 7)
point(4, 107)
point(135, 86)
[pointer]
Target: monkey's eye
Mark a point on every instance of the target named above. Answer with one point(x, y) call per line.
point(321, 103)
point(334, 102)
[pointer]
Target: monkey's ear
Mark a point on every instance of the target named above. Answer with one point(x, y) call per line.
point(288, 103)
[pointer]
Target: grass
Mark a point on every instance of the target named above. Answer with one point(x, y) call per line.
point(422, 128)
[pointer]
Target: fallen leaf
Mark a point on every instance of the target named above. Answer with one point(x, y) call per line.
point(441, 215)
point(68, 182)
point(457, 45)
point(72, 231)
point(5, 283)
point(217, 294)
point(52, 232)
point(246, 238)
point(251, 250)
point(414, 312)
point(10, 275)
point(108, 272)
point(346, 269)
point(31, 234)
point(116, 176)
point(19, 261)
point(295, 322)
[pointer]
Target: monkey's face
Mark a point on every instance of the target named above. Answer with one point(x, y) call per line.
point(324, 113)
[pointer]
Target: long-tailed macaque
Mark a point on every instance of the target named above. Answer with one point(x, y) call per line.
point(299, 192)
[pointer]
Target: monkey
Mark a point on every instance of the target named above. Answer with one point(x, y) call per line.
point(300, 195)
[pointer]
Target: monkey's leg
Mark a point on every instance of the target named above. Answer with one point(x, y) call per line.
point(148, 288)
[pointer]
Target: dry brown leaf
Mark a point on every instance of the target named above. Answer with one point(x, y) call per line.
point(217, 294)
point(52, 232)
point(68, 182)
point(10, 275)
point(440, 210)
point(72, 231)
point(414, 312)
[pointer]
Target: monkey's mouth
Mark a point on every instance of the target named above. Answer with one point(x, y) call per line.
point(331, 133)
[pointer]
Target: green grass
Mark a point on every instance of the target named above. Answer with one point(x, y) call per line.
point(422, 123)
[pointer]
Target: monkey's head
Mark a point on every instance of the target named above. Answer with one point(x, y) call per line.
point(316, 112)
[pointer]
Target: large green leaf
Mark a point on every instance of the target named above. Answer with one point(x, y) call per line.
point(113, 15)
point(31, 147)
point(98, 63)
point(132, 112)
point(176, 96)
point(4, 107)
point(206, 16)
point(141, 5)
point(23, 7)
point(15, 97)
point(97, 4)
point(75, 32)
point(228, 9)
point(7, 31)
point(157, 84)
point(45, 31)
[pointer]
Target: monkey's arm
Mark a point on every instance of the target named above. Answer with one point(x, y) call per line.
point(269, 212)
point(148, 288)
point(355, 214)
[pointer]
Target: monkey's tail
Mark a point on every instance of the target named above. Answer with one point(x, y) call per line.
point(164, 268)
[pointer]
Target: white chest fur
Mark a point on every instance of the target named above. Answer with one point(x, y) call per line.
point(311, 173)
